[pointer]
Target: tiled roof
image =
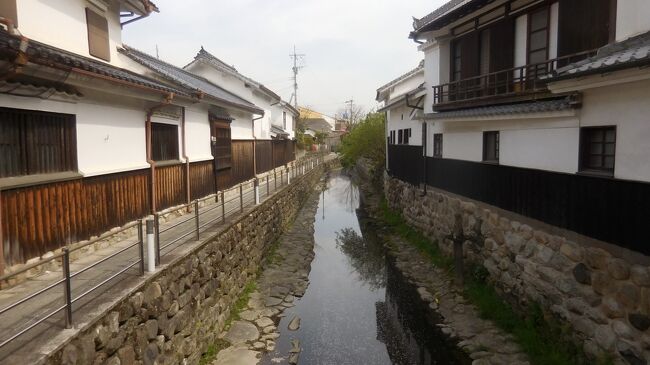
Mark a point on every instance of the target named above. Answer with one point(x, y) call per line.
point(507, 109)
point(633, 52)
point(317, 125)
point(189, 80)
point(278, 130)
point(444, 9)
point(419, 68)
point(47, 55)
point(447, 13)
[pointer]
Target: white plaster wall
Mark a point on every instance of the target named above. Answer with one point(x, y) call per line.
point(197, 133)
point(627, 107)
point(240, 128)
point(553, 149)
point(433, 128)
point(407, 84)
point(632, 18)
point(62, 24)
point(431, 74)
point(463, 145)
point(109, 138)
point(395, 122)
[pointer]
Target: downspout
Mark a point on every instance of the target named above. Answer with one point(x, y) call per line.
point(150, 161)
point(255, 146)
point(2, 242)
point(188, 197)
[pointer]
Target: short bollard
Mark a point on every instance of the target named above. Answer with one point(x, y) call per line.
point(257, 191)
point(151, 247)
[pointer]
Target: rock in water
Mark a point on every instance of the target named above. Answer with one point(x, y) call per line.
point(295, 347)
point(294, 324)
point(293, 359)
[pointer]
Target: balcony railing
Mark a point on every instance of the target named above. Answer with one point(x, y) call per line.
point(510, 82)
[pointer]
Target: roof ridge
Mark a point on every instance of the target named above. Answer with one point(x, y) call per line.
point(403, 76)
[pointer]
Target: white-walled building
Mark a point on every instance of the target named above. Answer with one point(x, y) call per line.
point(277, 113)
point(536, 112)
point(403, 100)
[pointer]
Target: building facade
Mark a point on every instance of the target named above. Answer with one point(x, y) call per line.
point(536, 112)
point(95, 134)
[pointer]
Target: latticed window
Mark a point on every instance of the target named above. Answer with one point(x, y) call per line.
point(598, 149)
point(164, 142)
point(491, 146)
point(34, 142)
point(437, 145)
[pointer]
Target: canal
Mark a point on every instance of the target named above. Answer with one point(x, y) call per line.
point(358, 309)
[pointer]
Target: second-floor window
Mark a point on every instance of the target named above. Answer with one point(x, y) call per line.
point(491, 146)
point(164, 142)
point(98, 44)
point(598, 149)
point(437, 145)
point(538, 36)
point(34, 142)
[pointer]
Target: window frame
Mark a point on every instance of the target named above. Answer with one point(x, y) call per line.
point(497, 146)
point(98, 30)
point(157, 155)
point(585, 154)
point(529, 32)
point(437, 145)
point(43, 143)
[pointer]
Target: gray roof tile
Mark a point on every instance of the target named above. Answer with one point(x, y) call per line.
point(506, 109)
point(189, 80)
point(632, 52)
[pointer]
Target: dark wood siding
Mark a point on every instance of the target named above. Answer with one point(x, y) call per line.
point(242, 161)
point(170, 186)
point(164, 142)
point(43, 218)
point(264, 156)
point(583, 25)
point(603, 208)
point(502, 45)
point(201, 179)
point(33, 142)
point(98, 44)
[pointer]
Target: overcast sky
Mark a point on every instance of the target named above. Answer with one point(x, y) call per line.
point(351, 46)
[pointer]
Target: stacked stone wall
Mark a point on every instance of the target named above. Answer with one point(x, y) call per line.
point(179, 311)
point(602, 293)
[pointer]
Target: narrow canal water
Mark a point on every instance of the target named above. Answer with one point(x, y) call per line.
point(358, 309)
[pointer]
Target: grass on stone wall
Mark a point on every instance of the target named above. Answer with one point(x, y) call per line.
point(211, 354)
point(543, 339)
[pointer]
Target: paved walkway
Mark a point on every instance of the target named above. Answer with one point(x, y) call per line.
point(22, 349)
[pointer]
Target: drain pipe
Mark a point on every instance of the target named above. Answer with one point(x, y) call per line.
point(256, 184)
point(150, 161)
point(2, 242)
point(188, 192)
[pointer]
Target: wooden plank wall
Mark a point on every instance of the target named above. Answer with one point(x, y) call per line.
point(242, 161)
point(43, 218)
point(201, 179)
point(170, 186)
point(264, 156)
point(283, 152)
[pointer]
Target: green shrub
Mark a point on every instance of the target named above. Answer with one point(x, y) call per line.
point(366, 139)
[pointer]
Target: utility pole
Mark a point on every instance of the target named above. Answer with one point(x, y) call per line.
point(296, 67)
point(351, 102)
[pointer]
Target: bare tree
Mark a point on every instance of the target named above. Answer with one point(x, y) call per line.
point(350, 115)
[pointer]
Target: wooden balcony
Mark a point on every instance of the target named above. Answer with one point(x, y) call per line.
point(510, 85)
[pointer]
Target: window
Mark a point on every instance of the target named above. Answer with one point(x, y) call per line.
point(284, 120)
point(98, 44)
point(598, 149)
point(437, 145)
point(8, 10)
point(491, 146)
point(33, 142)
point(400, 136)
point(221, 143)
point(164, 142)
point(538, 35)
point(407, 135)
point(456, 62)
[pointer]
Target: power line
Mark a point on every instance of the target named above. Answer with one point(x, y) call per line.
point(296, 57)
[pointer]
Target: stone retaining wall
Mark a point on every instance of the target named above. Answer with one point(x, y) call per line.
point(605, 298)
point(178, 311)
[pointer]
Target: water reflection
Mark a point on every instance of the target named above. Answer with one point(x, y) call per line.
point(357, 308)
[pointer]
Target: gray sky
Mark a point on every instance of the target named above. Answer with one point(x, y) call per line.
point(351, 46)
